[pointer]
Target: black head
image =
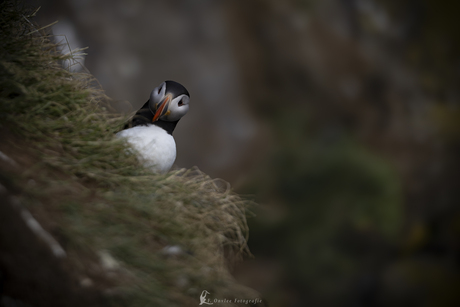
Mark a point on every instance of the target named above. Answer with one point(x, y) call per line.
point(169, 101)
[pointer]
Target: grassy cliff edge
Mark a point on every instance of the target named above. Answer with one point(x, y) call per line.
point(131, 237)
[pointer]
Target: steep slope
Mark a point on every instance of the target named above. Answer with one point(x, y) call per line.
point(83, 223)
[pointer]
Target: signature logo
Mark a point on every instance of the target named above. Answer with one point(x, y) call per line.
point(203, 299)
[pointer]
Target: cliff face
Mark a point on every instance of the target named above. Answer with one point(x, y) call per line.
point(362, 163)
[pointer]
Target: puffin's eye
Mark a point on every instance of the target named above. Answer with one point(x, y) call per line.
point(159, 90)
point(181, 103)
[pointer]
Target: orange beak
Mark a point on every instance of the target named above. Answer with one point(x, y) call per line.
point(162, 108)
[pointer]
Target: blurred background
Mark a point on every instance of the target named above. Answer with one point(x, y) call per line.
point(340, 117)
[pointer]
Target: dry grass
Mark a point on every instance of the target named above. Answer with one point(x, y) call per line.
point(92, 194)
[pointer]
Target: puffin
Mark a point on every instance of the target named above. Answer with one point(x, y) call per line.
point(150, 130)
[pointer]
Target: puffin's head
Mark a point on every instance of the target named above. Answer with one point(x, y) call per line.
point(169, 101)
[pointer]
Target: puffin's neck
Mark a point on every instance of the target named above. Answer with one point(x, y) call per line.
point(168, 126)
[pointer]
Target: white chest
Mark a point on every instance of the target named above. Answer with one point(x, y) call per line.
point(155, 146)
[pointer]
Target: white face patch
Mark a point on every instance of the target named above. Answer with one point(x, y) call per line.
point(178, 107)
point(156, 96)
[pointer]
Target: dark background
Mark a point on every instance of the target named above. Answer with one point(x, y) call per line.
point(341, 117)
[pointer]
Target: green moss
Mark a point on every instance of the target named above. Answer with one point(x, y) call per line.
point(343, 205)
